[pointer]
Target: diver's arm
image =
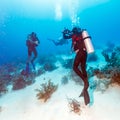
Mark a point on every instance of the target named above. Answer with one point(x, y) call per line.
point(34, 42)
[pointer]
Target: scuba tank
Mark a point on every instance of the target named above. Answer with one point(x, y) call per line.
point(87, 41)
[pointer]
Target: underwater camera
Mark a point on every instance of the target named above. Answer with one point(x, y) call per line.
point(66, 31)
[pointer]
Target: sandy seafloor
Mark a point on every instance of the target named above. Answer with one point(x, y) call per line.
point(24, 105)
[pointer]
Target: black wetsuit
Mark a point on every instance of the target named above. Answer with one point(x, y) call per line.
point(80, 60)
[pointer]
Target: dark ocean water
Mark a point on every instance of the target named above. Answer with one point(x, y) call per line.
point(19, 18)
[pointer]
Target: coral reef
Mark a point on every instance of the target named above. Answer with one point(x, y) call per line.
point(21, 81)
point(10, 74)
point(46, 91)
point(109, 73)
point(74, 105)
point(112, 68)
point(3, 88)
point(116, 78)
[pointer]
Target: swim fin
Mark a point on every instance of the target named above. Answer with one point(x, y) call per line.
point(33, 65)
point(27, 68)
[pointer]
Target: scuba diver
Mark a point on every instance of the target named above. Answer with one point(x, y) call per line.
point(61, 40)
point(80, 58)
point(32, 42)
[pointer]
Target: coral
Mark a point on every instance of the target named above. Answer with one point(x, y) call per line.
point(109, 46)
point(21, 81)
point(105, 75)
point(67, 63)
point(49, 67)
point(92, 57)
point(3, 88)
point(46, 91)
point(40, 71)
point(106, 56)
point(114, 58)
point(64, 80)
point(74, 105)
point(112, 68)
point(116, 78)
point(92, 71)
point(10, 74)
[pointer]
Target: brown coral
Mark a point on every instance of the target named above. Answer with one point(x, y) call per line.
point(46, 91)
point(116, 78)
point(74, 106)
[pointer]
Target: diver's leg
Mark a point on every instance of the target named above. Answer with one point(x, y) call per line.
point(35, 56)
point(29, 56)
point(81, 58)
point(28, 61)
point(77, 70)
point(76, 64)
point(85, 79)
point(83, 64)
point(83, 69)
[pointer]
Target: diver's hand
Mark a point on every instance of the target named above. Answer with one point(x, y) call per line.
point(36, 42)
point(77, 51)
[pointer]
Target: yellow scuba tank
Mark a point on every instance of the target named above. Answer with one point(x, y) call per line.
point(87, 41)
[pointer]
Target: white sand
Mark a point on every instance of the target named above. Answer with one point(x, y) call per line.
point(24, 105)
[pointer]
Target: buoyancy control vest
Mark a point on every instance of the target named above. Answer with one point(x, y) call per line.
point(78, 42)
point(82, 41)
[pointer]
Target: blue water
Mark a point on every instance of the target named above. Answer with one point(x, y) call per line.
point(18, 18)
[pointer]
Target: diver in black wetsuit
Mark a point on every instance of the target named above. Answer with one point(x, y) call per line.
point(80, 58)
point(32, 42)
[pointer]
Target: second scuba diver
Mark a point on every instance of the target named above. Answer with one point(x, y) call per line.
point(60, 41)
